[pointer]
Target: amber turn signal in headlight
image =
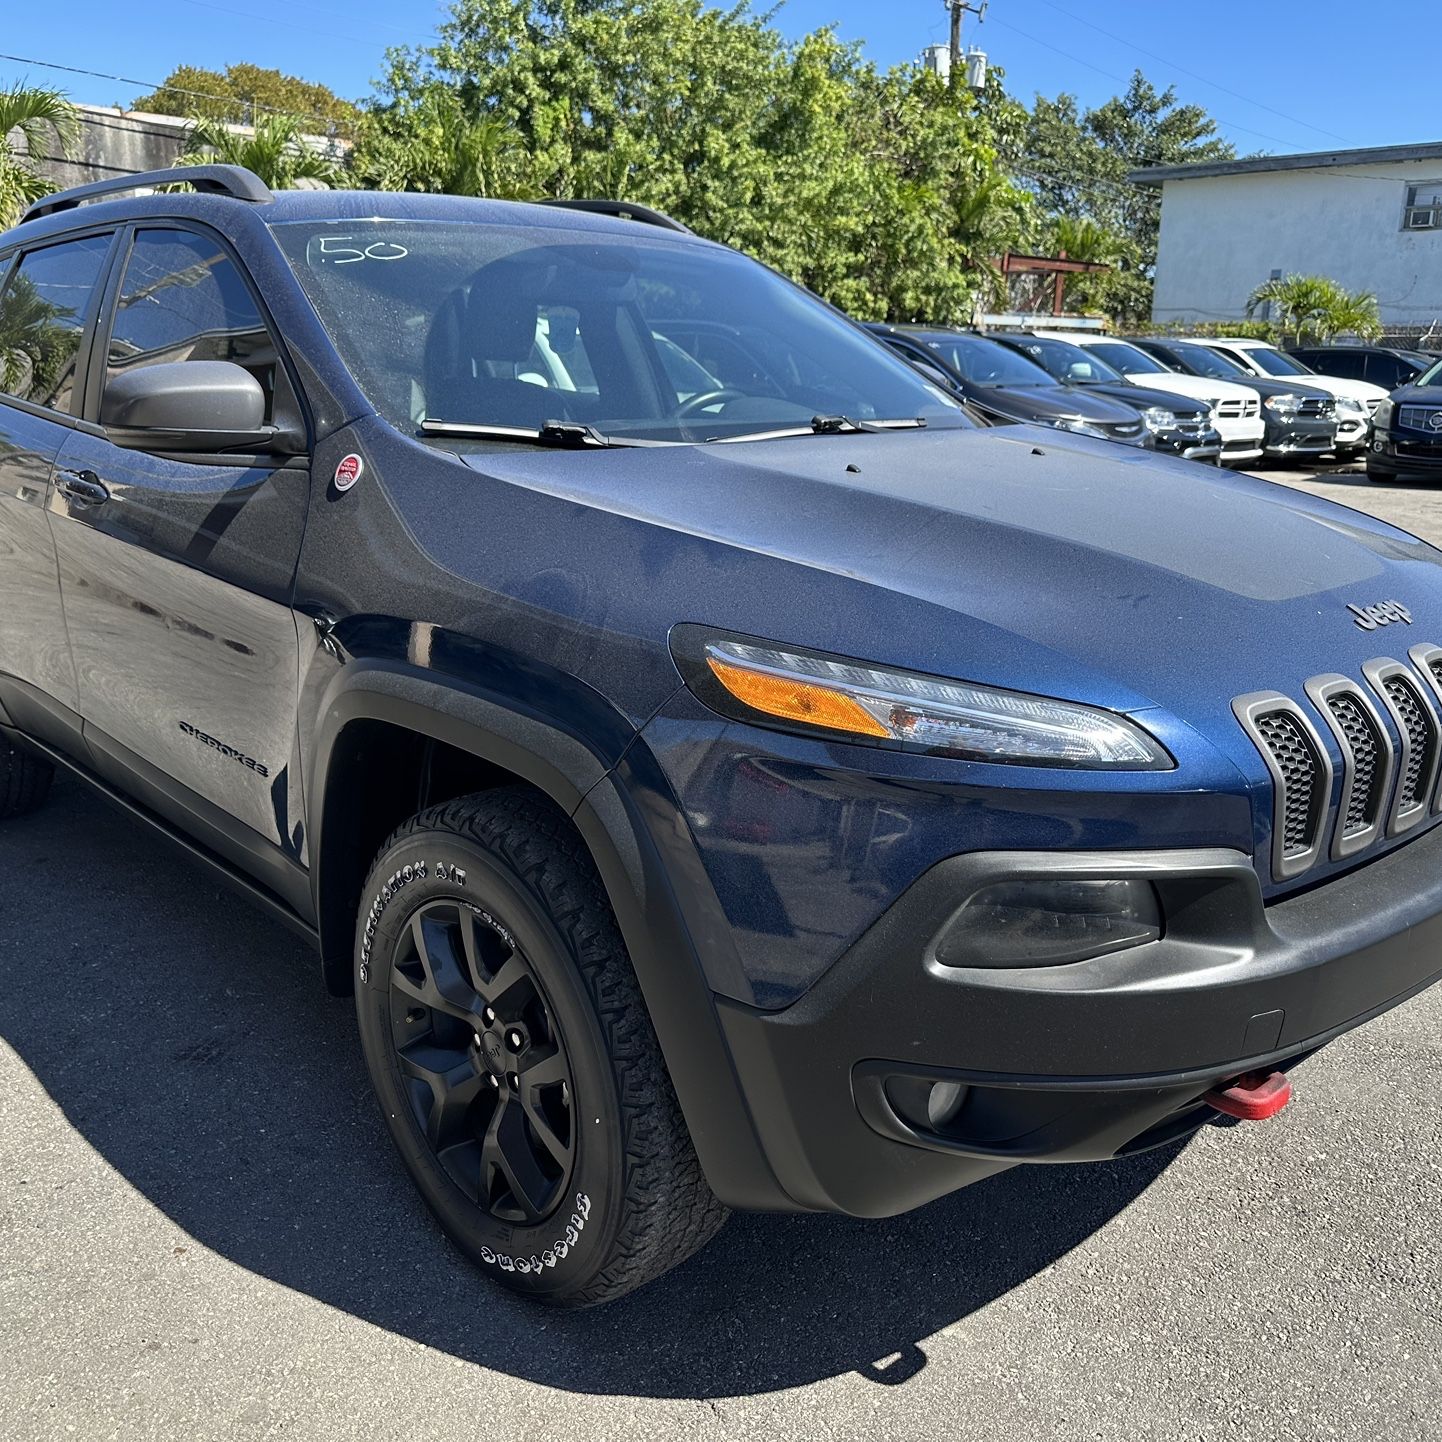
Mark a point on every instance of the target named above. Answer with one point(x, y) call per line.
point(980, 723)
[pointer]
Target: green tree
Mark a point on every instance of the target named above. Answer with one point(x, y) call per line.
point(37, 118)
point(276, 150)
point(1076, 164)
point(1313, 309)
point(879, 191)
point(240, 94)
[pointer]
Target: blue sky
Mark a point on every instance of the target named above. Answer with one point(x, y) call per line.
point(1277, 77)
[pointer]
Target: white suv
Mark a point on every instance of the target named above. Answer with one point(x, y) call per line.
point(1236, 411)
point(1356, 400)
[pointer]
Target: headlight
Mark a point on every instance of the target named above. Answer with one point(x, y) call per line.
point(1041, 922)
point(1351, 403)
point(1284, 405)
point(918, 713)
point(1081, 428)
point(1382, 416)
point(1159, 418)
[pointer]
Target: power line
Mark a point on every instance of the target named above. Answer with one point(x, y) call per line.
point(174, 89)
point(1192, 74)
point(1125, 80)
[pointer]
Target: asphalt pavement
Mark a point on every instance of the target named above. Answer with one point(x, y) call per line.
point(203, 1233)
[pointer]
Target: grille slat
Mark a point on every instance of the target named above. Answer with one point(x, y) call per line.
point(1297, 761)
point(1365, 800)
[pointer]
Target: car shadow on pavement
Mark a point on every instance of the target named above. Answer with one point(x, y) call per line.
point(187, 1039)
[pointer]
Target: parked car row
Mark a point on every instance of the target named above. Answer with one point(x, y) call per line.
point(1228, 400)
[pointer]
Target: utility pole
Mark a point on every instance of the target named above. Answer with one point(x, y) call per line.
point(958, 8)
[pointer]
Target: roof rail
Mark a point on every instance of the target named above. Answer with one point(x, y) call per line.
point(625, 210)
point(232, 180)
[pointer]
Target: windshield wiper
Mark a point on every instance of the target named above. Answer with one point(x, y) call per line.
point(841, 425)
point(825, 426)
point(565, 435)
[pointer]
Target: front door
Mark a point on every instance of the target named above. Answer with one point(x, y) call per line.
point(177, 572)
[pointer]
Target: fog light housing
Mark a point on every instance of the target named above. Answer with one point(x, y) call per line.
point(1043, 922)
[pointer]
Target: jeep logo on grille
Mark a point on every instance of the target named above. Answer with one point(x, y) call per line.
point(1370, 617)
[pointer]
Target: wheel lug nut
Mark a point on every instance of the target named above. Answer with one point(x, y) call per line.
point(494, 1081)
point(513, 1081)
point(488, 1016)
point(515, 1040)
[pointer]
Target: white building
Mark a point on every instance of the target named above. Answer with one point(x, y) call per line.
point(1369, 219)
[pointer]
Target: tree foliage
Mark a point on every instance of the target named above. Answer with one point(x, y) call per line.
point(1076, 164)
point(1313, 309)
point(880, 191)
point(275, 149)
point(32, 119)
point(240, 94)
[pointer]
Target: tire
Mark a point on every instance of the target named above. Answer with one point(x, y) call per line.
point(24, 780)
point(1376, 473)
point(562, 1167)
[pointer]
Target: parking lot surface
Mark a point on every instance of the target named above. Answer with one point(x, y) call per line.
point(203, 1233)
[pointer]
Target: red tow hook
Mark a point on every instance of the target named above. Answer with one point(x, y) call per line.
point(1253, 1097)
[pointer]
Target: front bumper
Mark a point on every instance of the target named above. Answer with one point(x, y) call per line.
point(1405, 452)
point(1301, 437)
point(1192, 443)
point(1080, 1062)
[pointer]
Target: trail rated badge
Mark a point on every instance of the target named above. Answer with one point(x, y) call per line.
point(348, 471)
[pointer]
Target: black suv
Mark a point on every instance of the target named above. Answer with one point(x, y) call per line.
point(1178, 426)
point(723, 774)
point(1006, 388)
point(1385, 366)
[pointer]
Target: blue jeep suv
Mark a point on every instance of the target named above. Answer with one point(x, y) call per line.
point(724, 776)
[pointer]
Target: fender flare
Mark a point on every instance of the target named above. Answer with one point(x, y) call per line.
point(565, 767)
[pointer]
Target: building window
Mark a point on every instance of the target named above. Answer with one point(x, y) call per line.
point(1424, 206)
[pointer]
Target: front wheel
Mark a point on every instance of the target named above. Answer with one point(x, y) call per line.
point(515, 1062)
point(24, 780)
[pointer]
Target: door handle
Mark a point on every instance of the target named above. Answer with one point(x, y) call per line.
point(83, 486)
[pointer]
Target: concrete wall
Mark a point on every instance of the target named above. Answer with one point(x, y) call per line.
point(120, 142)
point(1223, 236)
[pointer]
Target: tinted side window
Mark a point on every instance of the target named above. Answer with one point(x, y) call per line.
point(183, 299)
point(42, 318)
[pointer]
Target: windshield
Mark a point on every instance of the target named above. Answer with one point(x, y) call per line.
point(1128, 359)
point(985, 363)
point(1276, 363)
point(642, 336)
point(1430, 377)
point(1067, 362)
point(1204, 362)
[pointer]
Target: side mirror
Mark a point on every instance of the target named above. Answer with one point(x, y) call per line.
point(187, 406)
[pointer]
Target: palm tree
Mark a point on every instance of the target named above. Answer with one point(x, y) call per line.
point(276, 150)
point(439, 146)
point(1315, 308)
point(37, 117)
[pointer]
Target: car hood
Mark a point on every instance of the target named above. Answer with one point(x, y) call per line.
point(1049, 402)
point(1199, 386)
point(1265, 388)
point(1140, 396)
point(1018, 557)
point(1418, 396)
point(1340, 386)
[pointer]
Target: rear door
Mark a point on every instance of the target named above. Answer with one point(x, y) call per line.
point(177, 570)
point(47, 304)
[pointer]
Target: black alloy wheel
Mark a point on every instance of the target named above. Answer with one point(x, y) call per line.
point(513, 1056)
point(486, 1069)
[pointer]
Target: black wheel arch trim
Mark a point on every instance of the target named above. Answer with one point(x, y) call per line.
point(609, 817)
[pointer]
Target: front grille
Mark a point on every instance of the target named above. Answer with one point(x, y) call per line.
point(1318, 408)
point(1297, 761)
point(1420, 418)
point(1389, 767)
point(1364, 741)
